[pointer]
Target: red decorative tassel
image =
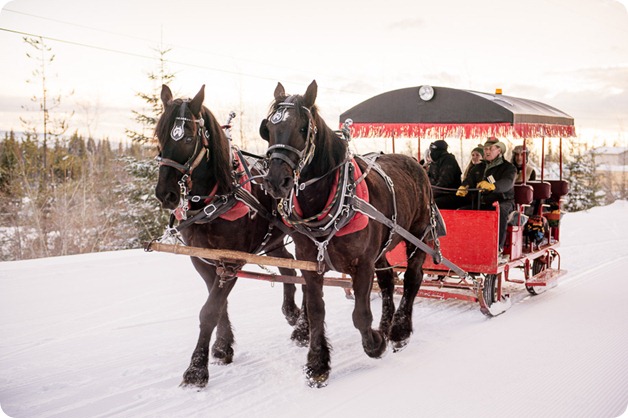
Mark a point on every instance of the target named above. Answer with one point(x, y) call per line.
point(475, 130)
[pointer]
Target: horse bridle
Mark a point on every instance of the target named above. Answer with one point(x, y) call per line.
point(178, 132)
point(305, 155)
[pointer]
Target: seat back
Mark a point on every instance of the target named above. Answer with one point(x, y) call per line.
point(524, 194)
point(542, 189)
point(559, 188)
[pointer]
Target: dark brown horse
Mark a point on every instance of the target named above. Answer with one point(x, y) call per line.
point(305, 158)
point(200, 176)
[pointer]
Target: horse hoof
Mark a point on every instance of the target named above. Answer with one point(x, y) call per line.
point(291, 315)
point(222, 357)
point(398, 346)
point(380, 348)
point(316, 381)
point(300, 338)
point(195, 377)
point(222, 361)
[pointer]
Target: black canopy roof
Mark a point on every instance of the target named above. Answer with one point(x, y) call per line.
point(454, 112)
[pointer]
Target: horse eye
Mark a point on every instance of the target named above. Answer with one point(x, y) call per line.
point(188, 139)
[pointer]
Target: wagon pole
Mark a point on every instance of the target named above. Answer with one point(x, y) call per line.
point(232, 256)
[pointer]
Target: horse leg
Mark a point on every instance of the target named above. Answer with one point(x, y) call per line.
point(295, 316)
point(373, 341)
point(212, 312)
point(318, 363)
point(401, 328)
point(301, 332)
point(288, 308)
point(386, 282)
point(222, 350)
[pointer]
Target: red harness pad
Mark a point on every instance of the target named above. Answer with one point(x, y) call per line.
point(359, 221)
point(237, 211)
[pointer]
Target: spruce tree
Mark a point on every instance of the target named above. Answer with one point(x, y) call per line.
point(585, 191)
point(147, 117)
point(53, 122)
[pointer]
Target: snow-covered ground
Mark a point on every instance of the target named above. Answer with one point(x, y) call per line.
point(110, 334)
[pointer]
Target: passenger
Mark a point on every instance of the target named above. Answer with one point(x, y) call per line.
point(476, 158)
point(426, 160)
point(496, 185)
point(474, 175)
point(518, 162)
point(444, 173)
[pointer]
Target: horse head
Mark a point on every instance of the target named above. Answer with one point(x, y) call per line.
point(290, 130)
point(193, 149)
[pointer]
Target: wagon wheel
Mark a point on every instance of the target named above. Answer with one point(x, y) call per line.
point(490, 303)
point(538, 265)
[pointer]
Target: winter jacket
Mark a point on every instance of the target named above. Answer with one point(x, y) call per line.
point(503, 173)
point(474, 174)
point(530, 173)
point(444, 171)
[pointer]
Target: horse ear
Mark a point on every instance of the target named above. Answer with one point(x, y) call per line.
point(310, 94)
point(263, 130)
point(166, 95)
point(197, 101)
point(280, 92)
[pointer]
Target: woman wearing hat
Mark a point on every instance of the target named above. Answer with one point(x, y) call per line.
point(476, 158)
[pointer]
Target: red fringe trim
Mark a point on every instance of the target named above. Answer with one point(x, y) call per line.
point(425, 130)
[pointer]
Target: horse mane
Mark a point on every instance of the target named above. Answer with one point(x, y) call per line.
point(330, 149)
point(219, 149)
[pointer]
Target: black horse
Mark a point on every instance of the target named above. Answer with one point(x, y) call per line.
point(204, 181)
point(306, 159)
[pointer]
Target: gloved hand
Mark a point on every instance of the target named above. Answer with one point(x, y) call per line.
point(485, 186)
point(462, 191)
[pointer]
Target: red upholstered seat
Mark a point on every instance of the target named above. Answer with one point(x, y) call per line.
point(524, 194)
point(559, 187)
point(542, 189)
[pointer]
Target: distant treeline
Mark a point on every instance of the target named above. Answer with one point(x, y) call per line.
point(74, 196)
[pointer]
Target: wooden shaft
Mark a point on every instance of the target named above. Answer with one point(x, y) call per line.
point(230, 255)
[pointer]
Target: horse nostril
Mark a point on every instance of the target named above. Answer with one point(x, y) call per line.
point(286, 183)
point(172, 198)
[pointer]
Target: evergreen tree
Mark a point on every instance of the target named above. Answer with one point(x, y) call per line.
point(141, 212)
point(9, 159)
point(585, 191)
point(147, 118)
point(52, 125)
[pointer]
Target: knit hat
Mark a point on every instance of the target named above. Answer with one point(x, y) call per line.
point(479, 149)
point(440, 144)
point(494, 141)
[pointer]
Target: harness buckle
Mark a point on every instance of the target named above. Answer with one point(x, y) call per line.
point(210, 209)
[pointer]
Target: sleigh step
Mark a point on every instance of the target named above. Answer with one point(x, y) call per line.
point(547, 277)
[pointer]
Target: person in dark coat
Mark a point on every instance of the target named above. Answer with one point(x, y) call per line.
point(496, 184)
point(444, 173)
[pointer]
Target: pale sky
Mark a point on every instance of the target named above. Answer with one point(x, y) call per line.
point(571, 54)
